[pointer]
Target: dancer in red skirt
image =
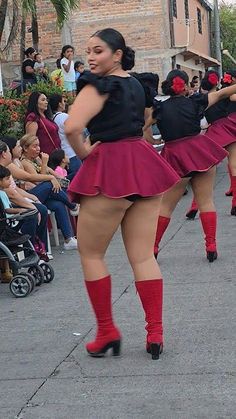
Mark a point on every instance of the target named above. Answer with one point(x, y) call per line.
point(120, 183)
point(192, 155)
point(222, 129)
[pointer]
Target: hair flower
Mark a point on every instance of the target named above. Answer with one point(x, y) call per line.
point(213, 79)
point(227, 78)
point(178, 85)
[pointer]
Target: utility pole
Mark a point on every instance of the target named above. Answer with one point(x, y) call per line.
point(217, 34)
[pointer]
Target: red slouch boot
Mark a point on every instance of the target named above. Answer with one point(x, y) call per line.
point(192, 211)
point(230, 190)
point(108, 335)
point(162, 225)
point(209, 221)
point(151, 296)
point(233, 184)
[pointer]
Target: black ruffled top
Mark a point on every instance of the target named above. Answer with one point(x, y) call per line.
point(217, 111)
point(123, 113)
point(179, 116)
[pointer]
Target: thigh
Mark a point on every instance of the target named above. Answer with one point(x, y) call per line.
point(99, 218)
point(203, 185)
point(139, 228)
point(172, 197)
point(232, 157)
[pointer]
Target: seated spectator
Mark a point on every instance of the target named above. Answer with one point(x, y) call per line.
point(59, 162)
point(32, 225)
point(57, 105)
point(53, 201)
point(38, 122)
point(56, 76)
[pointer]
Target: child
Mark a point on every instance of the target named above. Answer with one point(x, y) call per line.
point(5, 183)
point(67, 65)
point(79, 69)
point(40, 68)
point(56, 76)
point(59, 161)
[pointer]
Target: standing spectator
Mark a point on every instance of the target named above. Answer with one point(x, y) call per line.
point(79, 69)
point(57, 105)
point(57, 77)
point(28, 72)
point(38, 122)
point(40, 68)
point(67, 65)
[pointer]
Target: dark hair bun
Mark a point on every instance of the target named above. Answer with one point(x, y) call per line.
point(128, 59)
point(166, 88)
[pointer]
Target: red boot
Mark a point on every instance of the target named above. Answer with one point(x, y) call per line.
point(162, 225)
point(108, 336)
point(233, 183)
point(230, 191)
point(151, 296)
point(192, 212)
point(208, 220)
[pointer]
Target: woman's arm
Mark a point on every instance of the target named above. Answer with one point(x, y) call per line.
point(233, 98)
point(87, 105)
point(214, 97)
point(29, 69)
point(20, 174)
point(17, 199)
point(31, 128)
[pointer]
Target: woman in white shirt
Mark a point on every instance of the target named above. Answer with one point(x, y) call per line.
point(57, 104)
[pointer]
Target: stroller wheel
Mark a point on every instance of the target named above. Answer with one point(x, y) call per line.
point(32, 280)
point(48, 272)
point(20, 286)
point(38, 274)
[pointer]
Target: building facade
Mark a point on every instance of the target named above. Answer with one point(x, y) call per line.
point(165, 33)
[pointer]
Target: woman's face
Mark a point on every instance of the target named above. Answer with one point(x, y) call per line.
point(101, 59)
point(42, 103)
point(62, 105)
point(17, 151)
point(5, 157)
point(33, 150)
point(31, 56)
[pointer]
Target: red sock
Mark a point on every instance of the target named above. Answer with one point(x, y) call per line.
point(209, 221)
point(100, 297)
point(162, 225)
point(233, 184)
point(151, 296)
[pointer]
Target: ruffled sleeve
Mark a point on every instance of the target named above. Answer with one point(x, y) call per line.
point(31, 117)
point(104, 85)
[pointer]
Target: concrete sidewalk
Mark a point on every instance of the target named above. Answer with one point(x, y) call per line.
point(45, 372)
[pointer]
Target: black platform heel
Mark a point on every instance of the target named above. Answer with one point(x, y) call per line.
point(155, 349)
point(191, 214)
point(115, 345)
point(211, 256)
point(233, 211)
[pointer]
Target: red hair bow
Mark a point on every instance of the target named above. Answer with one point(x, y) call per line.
point(227, 78)
point(213, 79)
point(178, 85)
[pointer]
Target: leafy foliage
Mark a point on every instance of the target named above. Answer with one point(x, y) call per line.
point(228, 32)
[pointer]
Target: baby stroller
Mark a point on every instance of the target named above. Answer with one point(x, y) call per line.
point(20, 266)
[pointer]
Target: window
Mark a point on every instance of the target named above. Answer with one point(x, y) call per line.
point(186, 9)
point(174, 8)
point(199, 20)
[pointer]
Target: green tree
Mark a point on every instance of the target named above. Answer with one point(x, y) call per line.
point(228, 32)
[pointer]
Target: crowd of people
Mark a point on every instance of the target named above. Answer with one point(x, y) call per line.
point(122, 182)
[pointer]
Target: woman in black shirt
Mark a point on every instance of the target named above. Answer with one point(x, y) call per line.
point(120, 182)
point(193, 155)
point(28, 73)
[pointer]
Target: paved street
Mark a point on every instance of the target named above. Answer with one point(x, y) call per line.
point(45, 372)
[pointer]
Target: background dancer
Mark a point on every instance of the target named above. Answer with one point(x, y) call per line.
point(191, 154)
point(221, 130)
point(122, 178)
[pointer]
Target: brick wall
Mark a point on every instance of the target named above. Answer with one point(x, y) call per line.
point(143, 23)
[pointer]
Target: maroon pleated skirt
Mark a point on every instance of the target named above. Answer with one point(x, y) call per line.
point(123, 168)
point(223, 131)
point(193, 154)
